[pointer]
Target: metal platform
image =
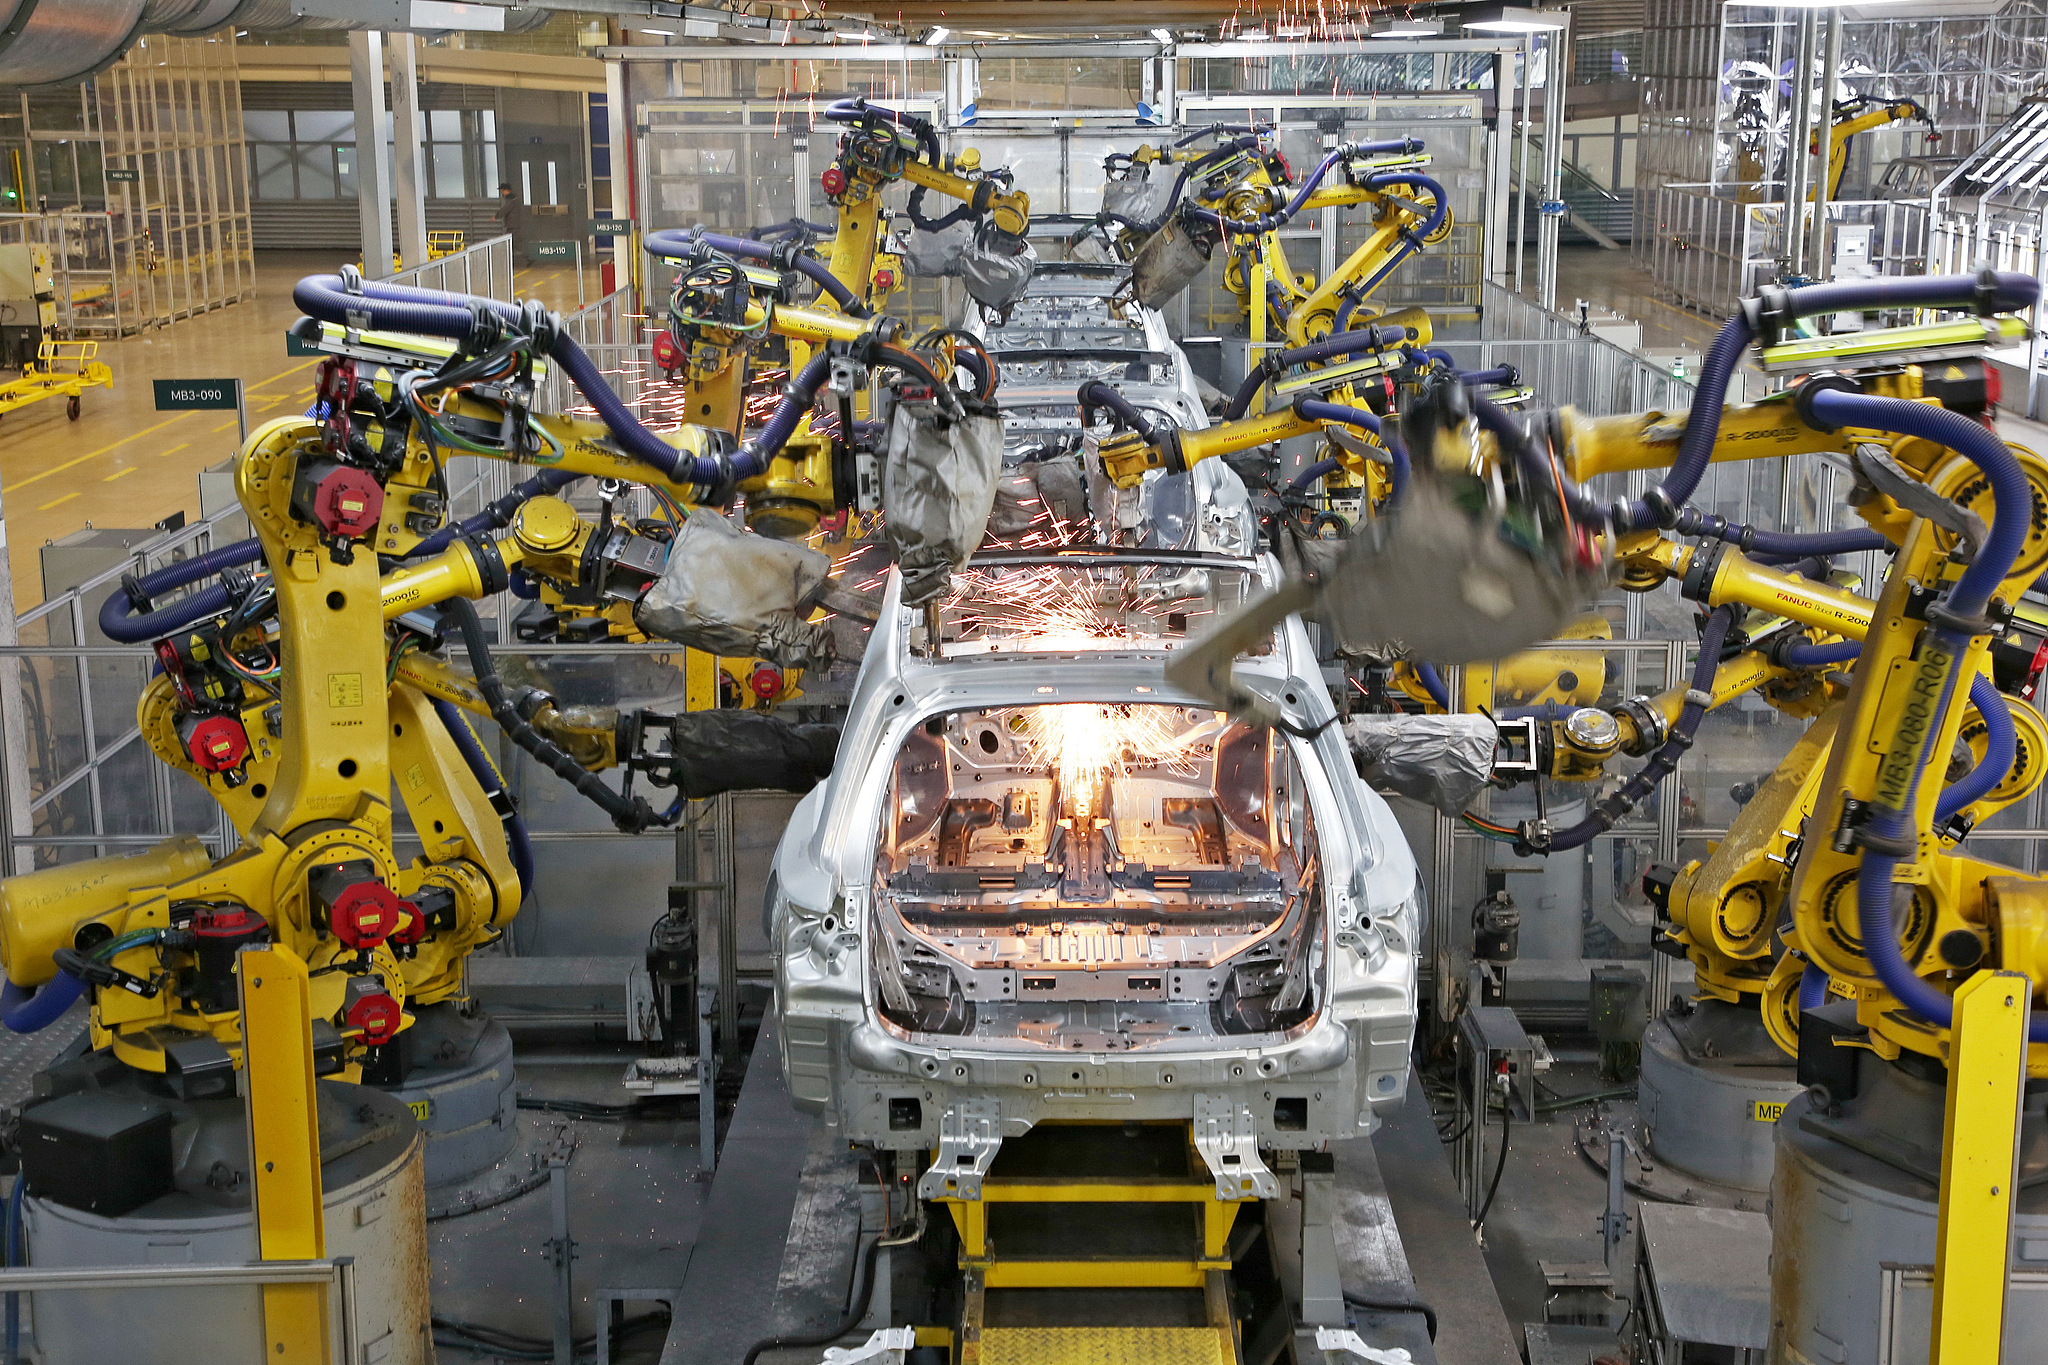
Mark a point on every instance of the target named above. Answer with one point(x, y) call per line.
point(784, 1216)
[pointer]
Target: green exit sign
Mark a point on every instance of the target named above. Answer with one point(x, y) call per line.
point(188, 395)
point(122, 176)
point(553, 251)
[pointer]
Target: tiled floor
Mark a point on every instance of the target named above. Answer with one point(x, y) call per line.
point(122, 463)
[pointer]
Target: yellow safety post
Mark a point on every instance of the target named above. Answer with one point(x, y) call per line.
point(284, 1146)
point(1979, 1166)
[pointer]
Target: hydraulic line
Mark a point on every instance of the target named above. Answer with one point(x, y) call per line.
point(1320, 469)
point(677, 244)
point(1665, 761)
point(2001, 739)
point(25, 1011)
point(425, 312)
point(1513, 435)
point(1813, 988)
point(631, 815)
point(1693, 522)
point(1803, 653)
point(117, 622)
point(1097, 393)
point(1273, 222)
point(1315, 410)
point(1995, 291)
point(1426, 674)
point(488, 777)
point(1889, 835)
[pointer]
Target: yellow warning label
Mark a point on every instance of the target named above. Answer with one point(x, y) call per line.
point(414, 778)
point(421, 1109)
point(1766, 1111)
point(344, 689)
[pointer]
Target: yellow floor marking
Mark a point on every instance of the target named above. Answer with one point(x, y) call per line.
point(48, 505)
point(58, 469)
point(118, 473)
point(182, 445)
point(232, 421)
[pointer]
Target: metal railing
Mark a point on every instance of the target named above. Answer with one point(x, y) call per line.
point(337, 1275)
point(1564, 363)
point(2003, 239)
point(484, 269)
point(1709, 250)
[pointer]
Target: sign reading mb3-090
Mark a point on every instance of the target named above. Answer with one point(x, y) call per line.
point(184, 395)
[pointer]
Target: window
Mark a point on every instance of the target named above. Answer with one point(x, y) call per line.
point(300, 154)
point(311, 153)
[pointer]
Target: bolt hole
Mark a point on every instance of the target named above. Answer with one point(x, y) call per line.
point(259, 790)
point(347, 768)
point(336, 600)
point(398, 729)
point(439, 827)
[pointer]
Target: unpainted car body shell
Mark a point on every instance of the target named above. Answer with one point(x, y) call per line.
point(875, 1083)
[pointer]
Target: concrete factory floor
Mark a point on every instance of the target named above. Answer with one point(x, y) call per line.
point(124, 464)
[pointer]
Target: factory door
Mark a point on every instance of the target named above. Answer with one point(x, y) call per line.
point(542, 176)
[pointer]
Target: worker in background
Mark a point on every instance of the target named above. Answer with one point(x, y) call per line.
point(512, 216)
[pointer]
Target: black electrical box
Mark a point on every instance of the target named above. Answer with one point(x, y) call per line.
point(105, 1154)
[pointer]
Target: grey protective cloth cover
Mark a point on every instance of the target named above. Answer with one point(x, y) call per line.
point(1167, 263)
point(1442, 761)
point(938, 488)
point(735, 594)
point(1433, 581)
point(1136, 195)
point(995, 276)
point(935, 254)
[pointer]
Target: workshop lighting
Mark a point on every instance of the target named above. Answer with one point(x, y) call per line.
point(1410, 28)
point(1255, 35)
point(937, 36)
point(1163, 36)
point(1509, 19)
point(660, 32)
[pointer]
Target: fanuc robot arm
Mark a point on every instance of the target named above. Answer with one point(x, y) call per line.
point(1242, 192)
point(1856, 834)
point(282, 692)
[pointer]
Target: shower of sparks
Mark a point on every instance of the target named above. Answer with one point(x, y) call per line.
point(1086, 746)
point(1051, 609)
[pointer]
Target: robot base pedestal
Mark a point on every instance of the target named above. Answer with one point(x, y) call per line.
point(375, 1211)
point(1711, 1089)
point(460, 1088)
point(1839, 1217)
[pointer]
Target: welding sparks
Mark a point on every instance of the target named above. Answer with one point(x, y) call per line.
point(1086, 746)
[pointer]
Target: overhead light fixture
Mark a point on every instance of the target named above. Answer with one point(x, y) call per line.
point(660, 32)
point(1411, 28)
point(1509, 19)
point(1255, 35)
point(1291, 30)
point(1163, 36)
point(937, 36)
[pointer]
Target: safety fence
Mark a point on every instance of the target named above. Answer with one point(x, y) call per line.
point(484, 269)
point(1563, 362)
point(1964, 240)
point(102, 282)
point(1708, 250)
